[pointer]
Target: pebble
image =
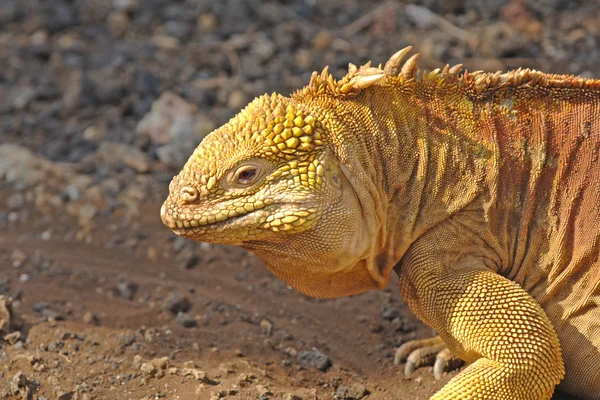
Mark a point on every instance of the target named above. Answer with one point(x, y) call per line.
point(126, 288)
point(90, 318)
point(186, 320)
point(389, 312)
point(197, 374)
point(356, 391)
point(189, 258)
point(126, 339)
point(314, 359)
point(267, 327)
point(148, 369)
point(13, 337)
point(76, 92)
point(177, 302)
point(118, 22)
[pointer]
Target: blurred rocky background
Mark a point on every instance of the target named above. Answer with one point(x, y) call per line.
point(101, 103)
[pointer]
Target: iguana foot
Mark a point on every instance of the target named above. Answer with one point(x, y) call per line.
point(424, 352)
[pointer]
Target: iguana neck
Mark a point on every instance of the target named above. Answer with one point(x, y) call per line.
point(409, 160)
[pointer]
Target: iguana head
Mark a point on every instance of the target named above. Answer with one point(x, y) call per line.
point(278, 180)
point(269, 180)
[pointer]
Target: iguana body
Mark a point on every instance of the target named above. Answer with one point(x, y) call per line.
point(481, 190)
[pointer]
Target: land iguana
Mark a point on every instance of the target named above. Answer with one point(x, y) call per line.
point(480, 190)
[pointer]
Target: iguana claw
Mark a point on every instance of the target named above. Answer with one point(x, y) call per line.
point(424, 352)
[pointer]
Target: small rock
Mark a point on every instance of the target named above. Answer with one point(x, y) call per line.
point(165, 42)
point(148, 369)
point(176, 125)
point(18, 257)
point(22, 96)
point(18, 165)
point(207, 22)
point(4, 289)
point(389, 312)
point(376, 327)
point(291, 396)
point(303, 58)
point(13, 338)
point(314, 359)
point(127, 289)
point(64, 395)
point(323, 40)
point(149, 335)
point(160, 363)
point(237, 100)
point(176, 303)
point(5, 315)
point(90, 318)
point(186, 320)
point(189, 259)
point(126, 339)
point(197, 374)
point(94, 133)
point(137, 361)
point(267, 326)
point(76, 92)
point(263, 390)
point(355, 392)
point(118, 22)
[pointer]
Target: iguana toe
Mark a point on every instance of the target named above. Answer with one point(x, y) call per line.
point(425, 352)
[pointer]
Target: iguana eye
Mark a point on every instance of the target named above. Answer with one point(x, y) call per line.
point(245, 175)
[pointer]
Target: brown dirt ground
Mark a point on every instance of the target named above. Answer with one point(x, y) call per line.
point(230, 294)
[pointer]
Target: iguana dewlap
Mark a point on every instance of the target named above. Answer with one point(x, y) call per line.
point(481, 190)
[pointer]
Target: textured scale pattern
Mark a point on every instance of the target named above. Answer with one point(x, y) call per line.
point(480, 190)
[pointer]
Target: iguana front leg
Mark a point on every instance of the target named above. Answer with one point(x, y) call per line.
point(485, 319)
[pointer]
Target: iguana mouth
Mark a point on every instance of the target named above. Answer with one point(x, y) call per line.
point(208, 219)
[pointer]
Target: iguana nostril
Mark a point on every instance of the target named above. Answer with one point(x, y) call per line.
point(188, 194)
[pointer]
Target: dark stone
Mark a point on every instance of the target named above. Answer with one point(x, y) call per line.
point(186, 320)
point(127, 289)
point(314, 359)
point(389, 312)
point(176, 303)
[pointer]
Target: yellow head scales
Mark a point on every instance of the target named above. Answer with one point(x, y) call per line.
point(281, 139)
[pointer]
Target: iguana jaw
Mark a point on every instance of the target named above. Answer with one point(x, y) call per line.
point(259, 224)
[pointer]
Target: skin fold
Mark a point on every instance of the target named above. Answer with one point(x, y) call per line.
point(480, 190)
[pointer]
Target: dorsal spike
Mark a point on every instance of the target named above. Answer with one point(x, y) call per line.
point(363, 82)
point(393, 64)
point(409, 69)
point(446, 70)
point(454, 71)
point(371, 71)
point(313, 80)
point(352, 69)
point(325, 73)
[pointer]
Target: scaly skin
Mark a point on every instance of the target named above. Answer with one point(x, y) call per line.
point(480, 190)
